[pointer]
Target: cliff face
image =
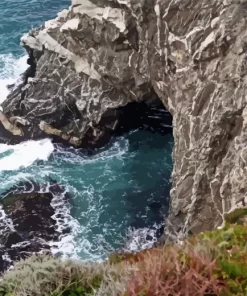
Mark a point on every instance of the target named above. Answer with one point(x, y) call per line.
point(90, 60)
point(102, 54)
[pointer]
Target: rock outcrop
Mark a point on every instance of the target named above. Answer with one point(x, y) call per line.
point(100, 55)
point(85, 64)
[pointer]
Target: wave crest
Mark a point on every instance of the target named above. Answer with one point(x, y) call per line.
point(11, 68)
point(25, 154)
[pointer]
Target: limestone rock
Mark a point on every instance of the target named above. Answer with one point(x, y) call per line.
point(100, 55)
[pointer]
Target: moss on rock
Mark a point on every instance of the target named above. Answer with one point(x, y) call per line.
point(237, 216)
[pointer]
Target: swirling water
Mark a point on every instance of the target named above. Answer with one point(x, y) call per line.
point(124, 186)
point(16, 18)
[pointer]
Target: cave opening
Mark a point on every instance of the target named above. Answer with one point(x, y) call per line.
point(148, 115)
point(147, 126)
point(140, 115)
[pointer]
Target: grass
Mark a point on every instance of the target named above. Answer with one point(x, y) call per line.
point(236, 216)
point(48, 276)
point(210, 263)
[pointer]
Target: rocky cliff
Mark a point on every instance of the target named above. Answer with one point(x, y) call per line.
point(100, 55)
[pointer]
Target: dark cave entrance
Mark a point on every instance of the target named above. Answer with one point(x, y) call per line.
point(153, 119)
point(150, 115)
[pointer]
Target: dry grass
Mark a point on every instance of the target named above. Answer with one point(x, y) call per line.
point(168, 271)
point(171, 271)
point(44, 275)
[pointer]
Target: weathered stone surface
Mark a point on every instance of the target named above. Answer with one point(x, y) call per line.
point(207, 94)
point(100, 55)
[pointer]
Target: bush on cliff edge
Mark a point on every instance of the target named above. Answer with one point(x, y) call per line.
point(210, 263)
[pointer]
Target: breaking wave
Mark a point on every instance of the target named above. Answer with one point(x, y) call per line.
point(25, 154)
point(11, 68)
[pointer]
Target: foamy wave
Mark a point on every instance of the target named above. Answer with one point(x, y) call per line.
point(141, 238)
point(11, 68)
point(118, 149)
point(9, 181)
point(24, 154)
point(66, 245)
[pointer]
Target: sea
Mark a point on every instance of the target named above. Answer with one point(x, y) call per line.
point(119, 195)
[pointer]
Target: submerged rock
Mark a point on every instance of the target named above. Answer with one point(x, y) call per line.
point(27, 225)
point(100, 55)
point(31, 214)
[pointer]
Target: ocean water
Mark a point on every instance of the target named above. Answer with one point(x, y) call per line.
point(17, 18)
point(118, 195)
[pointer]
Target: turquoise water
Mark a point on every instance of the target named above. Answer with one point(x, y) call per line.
point(18, 16)
point(124, 186)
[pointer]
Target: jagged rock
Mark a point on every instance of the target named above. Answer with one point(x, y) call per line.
point(78, 82)
point(17, 119)
point(31, 213)
point(100, 55)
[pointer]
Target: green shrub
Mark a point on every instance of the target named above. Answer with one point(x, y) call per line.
point(236, 216)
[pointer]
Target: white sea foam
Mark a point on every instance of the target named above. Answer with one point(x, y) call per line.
point(24, 154)
point(11, 68)
point(78, 241)
point(81, 242)
point(141, 238)
point(66, 246)
point(118, 149)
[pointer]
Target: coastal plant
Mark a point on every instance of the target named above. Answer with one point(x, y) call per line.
point(213, 262)
point(236, 216)
point(229, 247)
point(171, 271)
point(4, 292)
point(48, 276)
point(210, 263)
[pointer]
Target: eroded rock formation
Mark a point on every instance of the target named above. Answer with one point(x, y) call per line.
point(100, 55)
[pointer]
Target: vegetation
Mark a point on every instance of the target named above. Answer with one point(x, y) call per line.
point(210, 263)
